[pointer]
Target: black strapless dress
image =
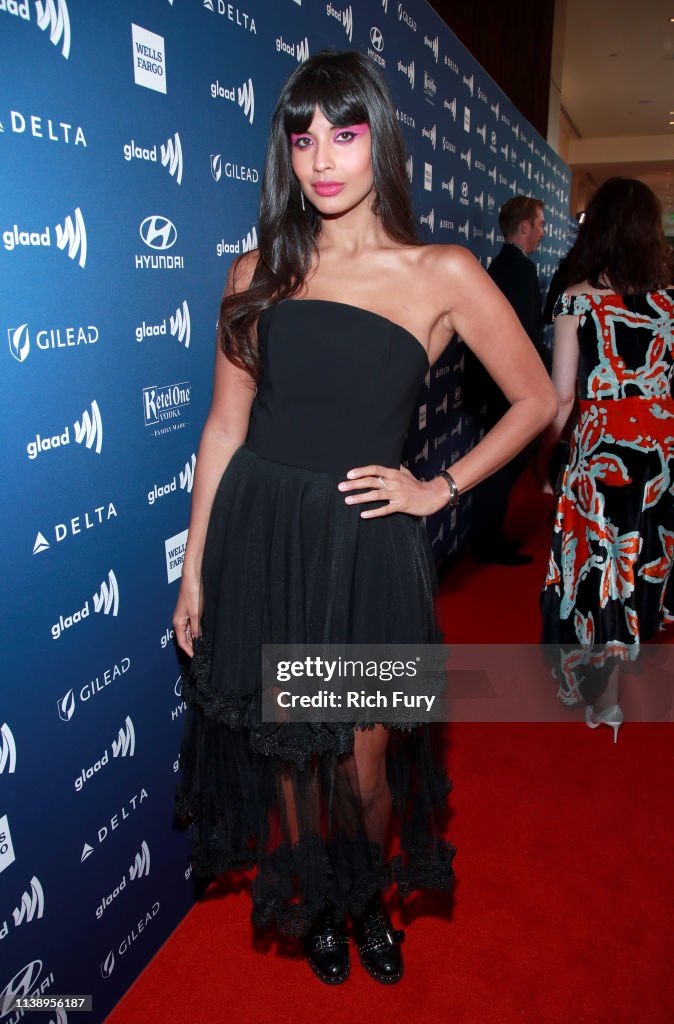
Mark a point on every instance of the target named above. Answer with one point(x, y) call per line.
point(287, 561)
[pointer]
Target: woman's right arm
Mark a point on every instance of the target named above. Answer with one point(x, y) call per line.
point(224, 431)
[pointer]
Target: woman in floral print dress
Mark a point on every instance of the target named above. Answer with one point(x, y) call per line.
point(607, 587)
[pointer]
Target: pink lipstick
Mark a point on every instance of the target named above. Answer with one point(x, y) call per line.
point(327, 188)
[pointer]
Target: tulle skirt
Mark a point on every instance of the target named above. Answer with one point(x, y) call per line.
point(287, 561)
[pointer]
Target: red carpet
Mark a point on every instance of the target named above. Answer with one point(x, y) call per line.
point(562, 908)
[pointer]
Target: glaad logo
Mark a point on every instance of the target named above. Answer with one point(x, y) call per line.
point(479, 199)
point(149, 65)
point(244, 96)
point(232, 13)
point(246, 244)
point(75, 525)
point(408, 70)
point(428, 219)
point(238, 172)
point(31, 904)
point(105, 600)
point(88, 431)
point(451, 107)
point(70, 235)
point(124, 745)
point(179, 325)
point(345, 17)
point(409, 167)
point(463, 230)
point(298, 50)
point(140, 867)
point(468, 157)
point(449, 186)
point(171, 155)
point(66, 704)
point(55, 131)
point(434, 46)
point(24, 983)
point(7, 750)
point(468, 81)
point(53, 17)
point(48, 339)
point(430, 134)
point(186, 478)
point(495, 109)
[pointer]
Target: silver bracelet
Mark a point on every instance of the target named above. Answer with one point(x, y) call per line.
point(454, 494)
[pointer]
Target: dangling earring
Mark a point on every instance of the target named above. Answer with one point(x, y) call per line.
point(302, 200)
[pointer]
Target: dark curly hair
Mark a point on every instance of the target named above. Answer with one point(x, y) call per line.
point(621, 243)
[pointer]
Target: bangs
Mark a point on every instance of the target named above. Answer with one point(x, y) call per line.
point(334, 94)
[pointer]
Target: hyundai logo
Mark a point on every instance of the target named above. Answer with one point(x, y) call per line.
point(158, 232)
point(377, 39)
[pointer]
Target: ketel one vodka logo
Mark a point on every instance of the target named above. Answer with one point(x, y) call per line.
point(164, 406)
point(139, 869)
point(51, 16)
point(87, 431)
point(105, 601)
point(123, 745)
point(70, 236)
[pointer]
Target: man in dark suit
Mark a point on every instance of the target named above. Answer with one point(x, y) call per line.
point(522, 223)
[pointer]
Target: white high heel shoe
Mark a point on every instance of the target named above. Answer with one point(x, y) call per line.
point(612, 716)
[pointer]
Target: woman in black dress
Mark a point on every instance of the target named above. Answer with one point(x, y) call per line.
point(608, 583)
point(305, 529)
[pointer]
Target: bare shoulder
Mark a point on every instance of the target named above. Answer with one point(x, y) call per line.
point(447, 263)
point(241, 270)
point(585, 288)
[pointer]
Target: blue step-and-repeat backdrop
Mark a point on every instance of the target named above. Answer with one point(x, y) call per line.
point(132, 137)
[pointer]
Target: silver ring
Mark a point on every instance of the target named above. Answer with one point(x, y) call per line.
point(382, 483)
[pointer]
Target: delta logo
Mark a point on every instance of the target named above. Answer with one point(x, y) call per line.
point(50, 15)
point(232, 13)
point(87, 431)
point(71, 235)
point(170, 155)
point(105, 601)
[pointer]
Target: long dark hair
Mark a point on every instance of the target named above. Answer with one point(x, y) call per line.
point(621, 242)
point(348, 89)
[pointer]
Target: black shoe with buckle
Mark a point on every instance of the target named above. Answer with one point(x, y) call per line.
point(326, 948)
point(379, 943)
